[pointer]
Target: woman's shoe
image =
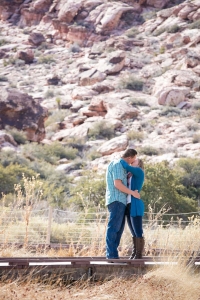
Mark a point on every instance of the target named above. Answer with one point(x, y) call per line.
point(134, 248)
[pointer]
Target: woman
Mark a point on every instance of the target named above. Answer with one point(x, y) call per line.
point(135, 206)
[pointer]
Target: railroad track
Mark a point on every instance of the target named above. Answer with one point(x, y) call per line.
point(76, 268)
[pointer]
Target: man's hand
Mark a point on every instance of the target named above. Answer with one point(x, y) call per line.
point(135, 194)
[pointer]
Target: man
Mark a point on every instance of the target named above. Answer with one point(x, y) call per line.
point(116, 197)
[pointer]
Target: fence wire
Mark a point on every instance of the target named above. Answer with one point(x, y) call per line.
point(170, 231)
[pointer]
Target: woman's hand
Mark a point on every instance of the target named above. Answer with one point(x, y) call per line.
point(129, 174)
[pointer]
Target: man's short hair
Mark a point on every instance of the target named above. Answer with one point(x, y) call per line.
point(129, 153)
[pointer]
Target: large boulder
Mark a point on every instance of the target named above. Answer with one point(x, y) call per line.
point(116, 144)
point(172, 96)
point(112, 64)
point(21, 111)
point(111, 108)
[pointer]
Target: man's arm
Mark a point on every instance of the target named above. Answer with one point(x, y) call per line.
point(120, 186)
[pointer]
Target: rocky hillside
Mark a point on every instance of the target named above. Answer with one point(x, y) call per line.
point(104, 75)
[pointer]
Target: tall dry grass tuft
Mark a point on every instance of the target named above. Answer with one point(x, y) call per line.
point(28, 196)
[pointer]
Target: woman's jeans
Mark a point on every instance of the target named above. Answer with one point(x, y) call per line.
point(134, 223)
point(115, 228)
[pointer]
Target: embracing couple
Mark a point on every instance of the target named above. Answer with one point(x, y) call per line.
point(124, 180)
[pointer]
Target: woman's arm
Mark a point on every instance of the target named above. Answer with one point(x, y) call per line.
point(136, 171)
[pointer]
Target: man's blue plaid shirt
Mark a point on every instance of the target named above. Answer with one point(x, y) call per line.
point(115, 171)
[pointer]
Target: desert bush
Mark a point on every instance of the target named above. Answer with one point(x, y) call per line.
point(10, 61)
point(74, 48)
point(189, 176)
point(43, 46)
point(92, 155)
point(130, 82)
point(3, 42)
point(75, 142)
point(56, 116)
point(50, 153)
point(46, 59)
point(173, 29)
point(12, 175)
point(192, 126)
point(159, 31)
point(161, 51)
point(11, 157)
point(56, 189)
point(149, 15)
point(197, 115)
point(101, 129)
point(196, 105)
point(163, 186)
point(135, 135)
point(49, 94)
point(196, 138)
point(18, 135)
point(149, 150)
point(132, 32)
point(3, 78)
point(194, 25)
point(137, 102)
point(89, 191)
point(170, 111)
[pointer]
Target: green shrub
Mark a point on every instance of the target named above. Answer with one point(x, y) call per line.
point(89, 191)
point(101, 129)
point(3, 42)
point(10, 61)
point(50, 153)
point(135, 135)
point(56, 189)
point(189, 176)
point(162, 50)
point(196, 105)
point(132, 32)
point(3, 78)
point(43, 46)
point(13, 158)
point(137, 102)
point(11, 175)
point(163, 187)
point(196, 138)
point(55, 116)
point(75, 142)
point(173, 29)
point(18, 135)
point(149, 150)
point(131, 83)
point(49, 94)
point(46, 59)
point(170, 111)
point(149, 15)
point(74, 48)
point(194, 25)
point(192, 126)
point(92, 155)
point(197, 116)
point(158, 32)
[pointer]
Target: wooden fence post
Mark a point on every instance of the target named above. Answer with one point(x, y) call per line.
point(48, 238)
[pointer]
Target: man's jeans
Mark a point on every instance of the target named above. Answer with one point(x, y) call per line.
point(115, 228)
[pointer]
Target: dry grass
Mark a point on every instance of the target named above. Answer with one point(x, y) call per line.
point(168, 282)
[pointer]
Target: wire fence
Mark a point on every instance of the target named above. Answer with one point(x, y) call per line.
point(49, 225)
